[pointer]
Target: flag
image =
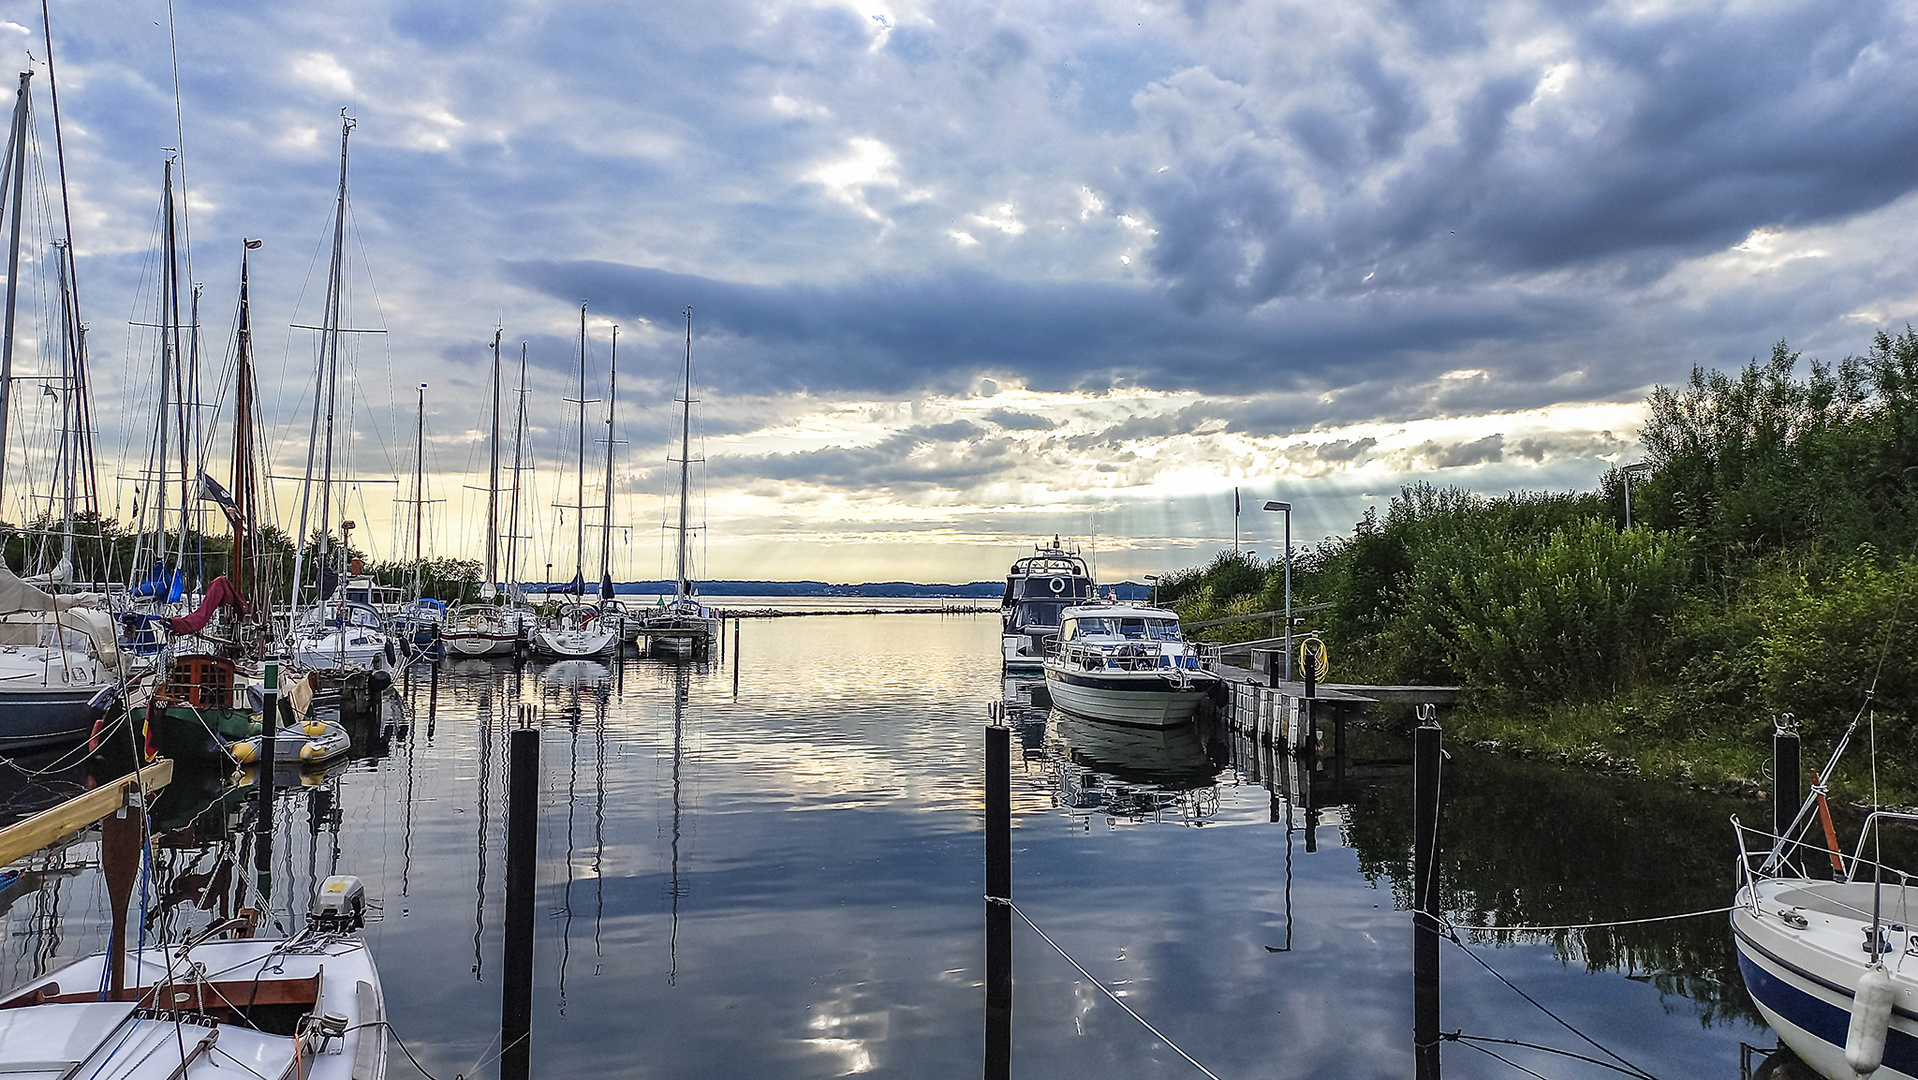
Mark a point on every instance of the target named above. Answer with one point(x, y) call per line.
point(252, 245)
point(212, 491)
point(1235, 502)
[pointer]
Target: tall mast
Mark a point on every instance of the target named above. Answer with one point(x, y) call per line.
point(419, 492)
point(245, 479)
point(606, 515)
point(169, 361)
point(16, 168)
point(82, 407)
point(323, 389)
point(492, 485)
point(191, 452)
point(579, 500)
point(68, 438)
point(519, 436)
point(684, 587)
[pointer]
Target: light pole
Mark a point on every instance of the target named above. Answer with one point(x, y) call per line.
point(1285, 508)
point(1152, 582)
point(1627, 472)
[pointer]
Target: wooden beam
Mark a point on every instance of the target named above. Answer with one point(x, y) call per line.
point(54, 824)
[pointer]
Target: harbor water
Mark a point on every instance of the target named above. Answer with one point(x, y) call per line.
point(770, 864)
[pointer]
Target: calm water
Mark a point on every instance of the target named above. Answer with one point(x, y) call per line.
point(785, 881)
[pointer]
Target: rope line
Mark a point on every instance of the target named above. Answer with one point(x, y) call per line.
point(1566, 1024)
point(1102, 986)
point(1447, 923)
point(1470, 1040)
point(1506, 1060)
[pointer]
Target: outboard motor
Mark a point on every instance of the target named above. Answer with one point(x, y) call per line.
point(340, 905)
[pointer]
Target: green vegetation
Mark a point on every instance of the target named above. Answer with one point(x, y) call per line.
point(1770, 568)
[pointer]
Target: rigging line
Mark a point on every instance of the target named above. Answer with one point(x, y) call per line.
point(1102, 986)
point(179, 133)
point(1506, 1060)
point(1566, 1024)
point(1468, 1040)
point(1574, 926)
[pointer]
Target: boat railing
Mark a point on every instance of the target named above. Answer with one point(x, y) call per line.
point(1126, 655)
point(1765, 858)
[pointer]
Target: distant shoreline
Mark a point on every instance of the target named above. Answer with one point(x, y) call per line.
point(783, 613)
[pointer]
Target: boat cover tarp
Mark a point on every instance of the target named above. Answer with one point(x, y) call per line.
point(219, 593)
point(161, 584)
point(82, 612)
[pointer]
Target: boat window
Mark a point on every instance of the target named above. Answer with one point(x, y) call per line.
point(1090, 627)
point(1132, 628)
point(1037, 615)
point(1163, 629)
point(1070, 630)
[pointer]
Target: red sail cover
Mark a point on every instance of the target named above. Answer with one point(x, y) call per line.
point(219, 593)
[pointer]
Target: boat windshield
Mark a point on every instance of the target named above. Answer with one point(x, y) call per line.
point(1163, 629)
point(1032, 615)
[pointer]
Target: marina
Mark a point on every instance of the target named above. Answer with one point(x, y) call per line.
point(785, 880)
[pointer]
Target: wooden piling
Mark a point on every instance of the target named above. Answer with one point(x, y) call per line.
point(1785, 771)
point(998, 901)
point(1426, 749)
point(263, 786)
point(522, 858)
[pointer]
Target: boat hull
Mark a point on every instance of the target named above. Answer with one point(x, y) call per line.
point(33, 718)
point(470, 643)
point(1803, 981)
point(1147, 699)
point(573, 644)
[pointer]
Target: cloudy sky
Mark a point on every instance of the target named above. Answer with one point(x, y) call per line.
point(965, 274)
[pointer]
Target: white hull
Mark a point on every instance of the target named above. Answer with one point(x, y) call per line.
point(1803, 978)
point(109, 1041)
point(568, 644)
point(1151, 700)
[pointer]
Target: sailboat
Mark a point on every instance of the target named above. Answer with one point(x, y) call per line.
point(335, 635)
point(611, 612)
point(684, 625)
point(487, 628)
point(574, 630)
point(418, 622)
point(60, 665)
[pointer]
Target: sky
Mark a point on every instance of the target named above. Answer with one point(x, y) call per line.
point(963, 275)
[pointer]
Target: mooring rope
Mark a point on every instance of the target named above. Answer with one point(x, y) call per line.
point(1447, 923)
point(1102, 986)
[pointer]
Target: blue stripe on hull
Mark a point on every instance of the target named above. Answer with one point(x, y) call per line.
point(1816, 1016)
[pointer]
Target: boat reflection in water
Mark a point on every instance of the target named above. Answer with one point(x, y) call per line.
point(1135, 774)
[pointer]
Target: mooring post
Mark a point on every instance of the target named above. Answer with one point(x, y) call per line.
point(998, 901)
point(1785, 771)
point(1426, 750)
point(122, 838)
point(735, 657)
point(263, 812)
point(522, 858)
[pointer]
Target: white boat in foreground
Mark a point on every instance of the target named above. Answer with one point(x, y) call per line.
point(574, 632)
point(1128, 664)
point(1833, 964)
point(307, 1006)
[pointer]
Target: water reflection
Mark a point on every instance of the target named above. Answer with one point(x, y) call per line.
point(786, 881)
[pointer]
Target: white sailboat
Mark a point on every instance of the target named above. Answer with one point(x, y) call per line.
point(489, 627)
point(574, 630)
point(683, 625)
point(335, 634)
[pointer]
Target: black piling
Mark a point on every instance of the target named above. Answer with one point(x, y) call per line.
point(433, 699)
point(522, 857)
point(1426, 750)
point(1785, 771)
point(263, 786)
point(735, 657)
point(998, 902)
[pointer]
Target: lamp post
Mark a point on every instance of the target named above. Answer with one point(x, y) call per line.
point(1627, 472)
point(1285, 508)
point(1152, 582)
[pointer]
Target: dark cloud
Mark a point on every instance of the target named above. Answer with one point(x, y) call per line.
point(916, 458)
point(900, 334)
point(1673, 134)
point(1477, 452)
point(1345, 449)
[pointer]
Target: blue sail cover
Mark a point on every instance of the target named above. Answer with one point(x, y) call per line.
point(159, 583)
point(575, 587)
point(606, 586)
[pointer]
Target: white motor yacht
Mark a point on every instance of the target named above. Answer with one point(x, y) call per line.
point(1038, 587)
point(1126, 663)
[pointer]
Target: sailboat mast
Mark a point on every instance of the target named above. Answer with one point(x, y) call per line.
point(519, 437)
point(419, 493)
point(579, 500)
point(322, 398)
point(684, 587)
point(17, 170)
point(83, 442)
point(68, 440)
point(244, 540)
point(169, 360)
point(606, 515)
point(492, 483)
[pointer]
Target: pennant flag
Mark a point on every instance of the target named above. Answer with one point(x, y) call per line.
point(212, 491)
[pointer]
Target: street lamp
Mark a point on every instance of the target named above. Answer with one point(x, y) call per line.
point(1152, 582)
point(1627, 472)
point(1285, 508)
